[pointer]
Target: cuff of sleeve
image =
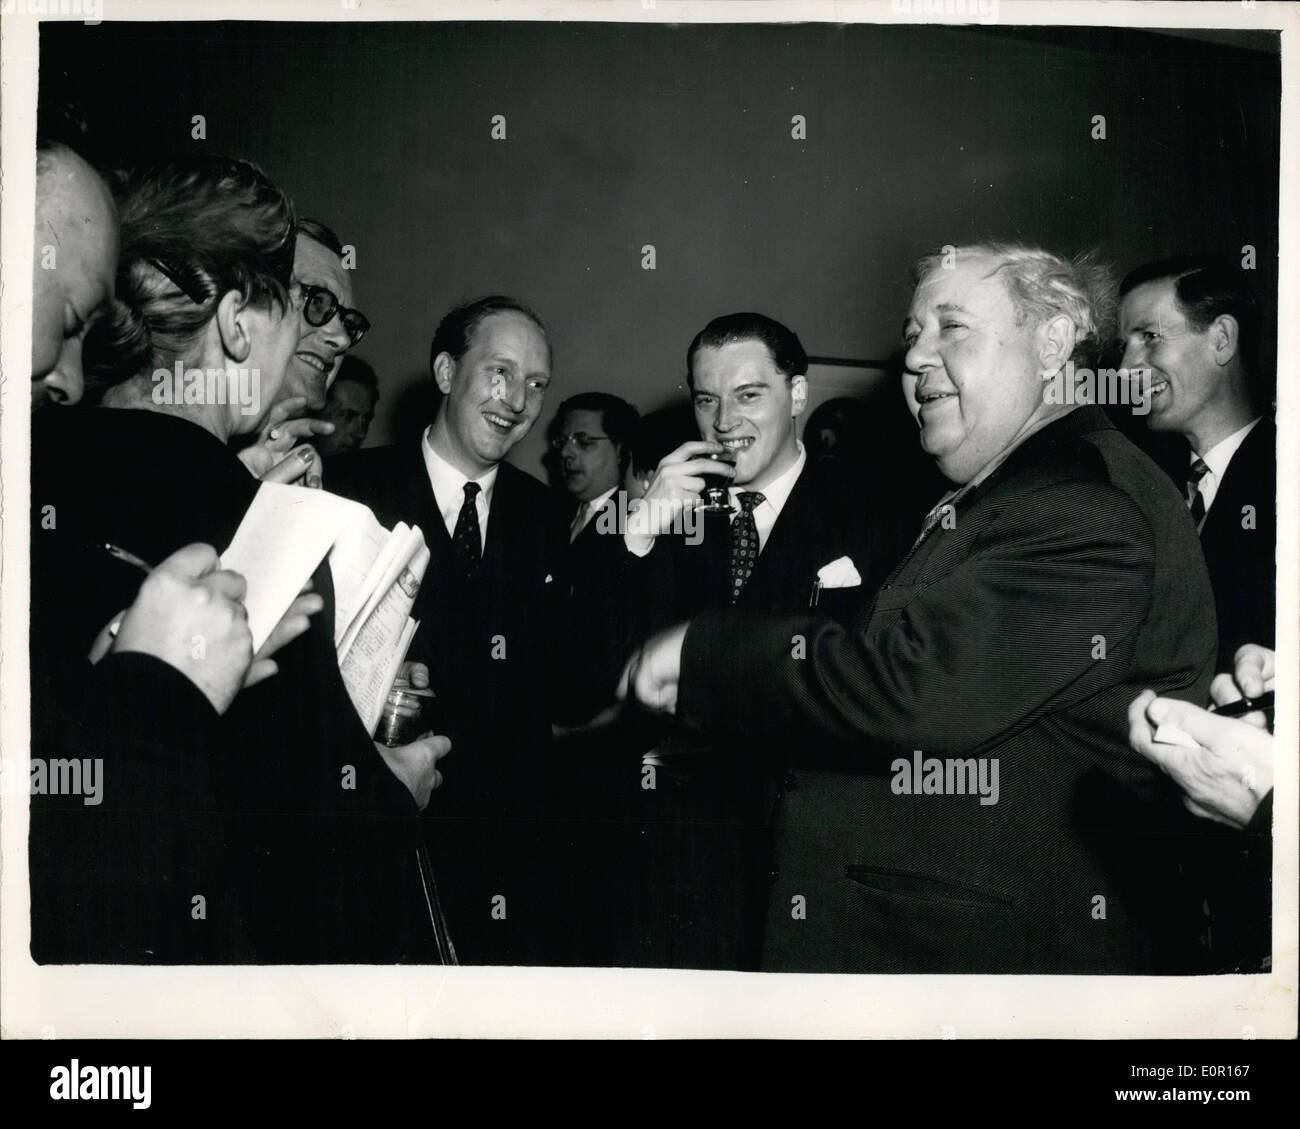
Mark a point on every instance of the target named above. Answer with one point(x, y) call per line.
point(131, 681)
point(730, 681)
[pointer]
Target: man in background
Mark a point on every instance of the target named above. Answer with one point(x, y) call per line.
point(350, 407)
point(1194, 322)
point(591, 442)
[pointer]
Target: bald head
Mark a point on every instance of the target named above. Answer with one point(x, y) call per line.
point(72, 274)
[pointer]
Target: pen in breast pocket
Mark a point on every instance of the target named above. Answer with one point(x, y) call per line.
point(126, 557)
point(816, 593)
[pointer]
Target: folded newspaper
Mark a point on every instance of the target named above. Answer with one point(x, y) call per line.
point(377, 573)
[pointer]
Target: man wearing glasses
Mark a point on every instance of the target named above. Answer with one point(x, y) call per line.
point(591, 446)
point(329, 327)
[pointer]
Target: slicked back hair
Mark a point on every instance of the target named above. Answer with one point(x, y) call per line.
point(619, 419)
point(782, 343)
point(359, 372)
point(1206, 287)
point(323, 235)
point(456, 330)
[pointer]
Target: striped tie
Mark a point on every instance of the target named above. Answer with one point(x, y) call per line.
point(1195, 499)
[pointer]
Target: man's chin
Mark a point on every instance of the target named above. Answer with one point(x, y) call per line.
point(492, 447)
point(310, 384)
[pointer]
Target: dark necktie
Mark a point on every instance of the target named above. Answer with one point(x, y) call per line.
point(1195, 499)
point(466, 543)
point(744, 541)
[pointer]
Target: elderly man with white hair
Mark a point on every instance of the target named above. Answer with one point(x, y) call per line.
point(960, 795)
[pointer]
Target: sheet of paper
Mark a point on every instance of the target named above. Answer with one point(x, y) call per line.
point(1169, 734)
point(284, 535)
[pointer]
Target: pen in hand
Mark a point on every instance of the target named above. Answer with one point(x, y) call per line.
point(126, 557)
point(1243, 706)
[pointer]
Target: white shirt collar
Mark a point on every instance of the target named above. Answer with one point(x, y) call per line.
point(775, 495)
point(600, 499)
point(1220, 455)
point(588, 510)
point(448, 485)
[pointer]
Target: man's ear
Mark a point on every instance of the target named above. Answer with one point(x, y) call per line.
point(1055, 344)
point(444, 368)
point(233, 326)
point(798, 395)
point(1225, 339)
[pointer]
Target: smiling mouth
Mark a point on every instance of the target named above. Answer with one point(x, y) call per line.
point(500, 423)
point(314, 360)
point(1159, 386)
point(924, 398)
point(740, 444)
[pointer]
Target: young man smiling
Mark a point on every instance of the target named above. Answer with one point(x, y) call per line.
point(800, 537)
point(495, 536)
point(1195, 323)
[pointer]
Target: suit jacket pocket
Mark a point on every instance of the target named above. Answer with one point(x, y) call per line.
point(899, 921)
point(927, 887)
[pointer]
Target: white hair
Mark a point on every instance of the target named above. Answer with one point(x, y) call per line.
point(1043, 285)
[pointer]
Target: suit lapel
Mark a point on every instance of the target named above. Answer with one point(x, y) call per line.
point(786, 567)
point(1246, 473)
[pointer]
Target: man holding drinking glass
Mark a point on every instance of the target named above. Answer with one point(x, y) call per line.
point(782, 535)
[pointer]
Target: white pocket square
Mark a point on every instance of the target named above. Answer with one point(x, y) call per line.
point(549, 578)
point(839, 574)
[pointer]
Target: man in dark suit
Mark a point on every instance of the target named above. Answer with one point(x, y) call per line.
point(495, 536)
point(798, 537)
point(1194, 323)
point(961, 794)
point(591, 444)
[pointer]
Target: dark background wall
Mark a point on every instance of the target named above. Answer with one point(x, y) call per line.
point(621, 136)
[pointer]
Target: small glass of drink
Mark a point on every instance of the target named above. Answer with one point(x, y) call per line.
point(405, 715)
point(717, 493)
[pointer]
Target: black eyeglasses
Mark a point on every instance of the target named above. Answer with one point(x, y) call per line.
point(581, 440)
point(319, 307)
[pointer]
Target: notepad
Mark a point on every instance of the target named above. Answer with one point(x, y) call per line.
point(377, 573)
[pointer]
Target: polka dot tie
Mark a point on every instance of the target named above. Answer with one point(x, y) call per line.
point(1195, 499)
point(744, 541)
point(466, 542)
